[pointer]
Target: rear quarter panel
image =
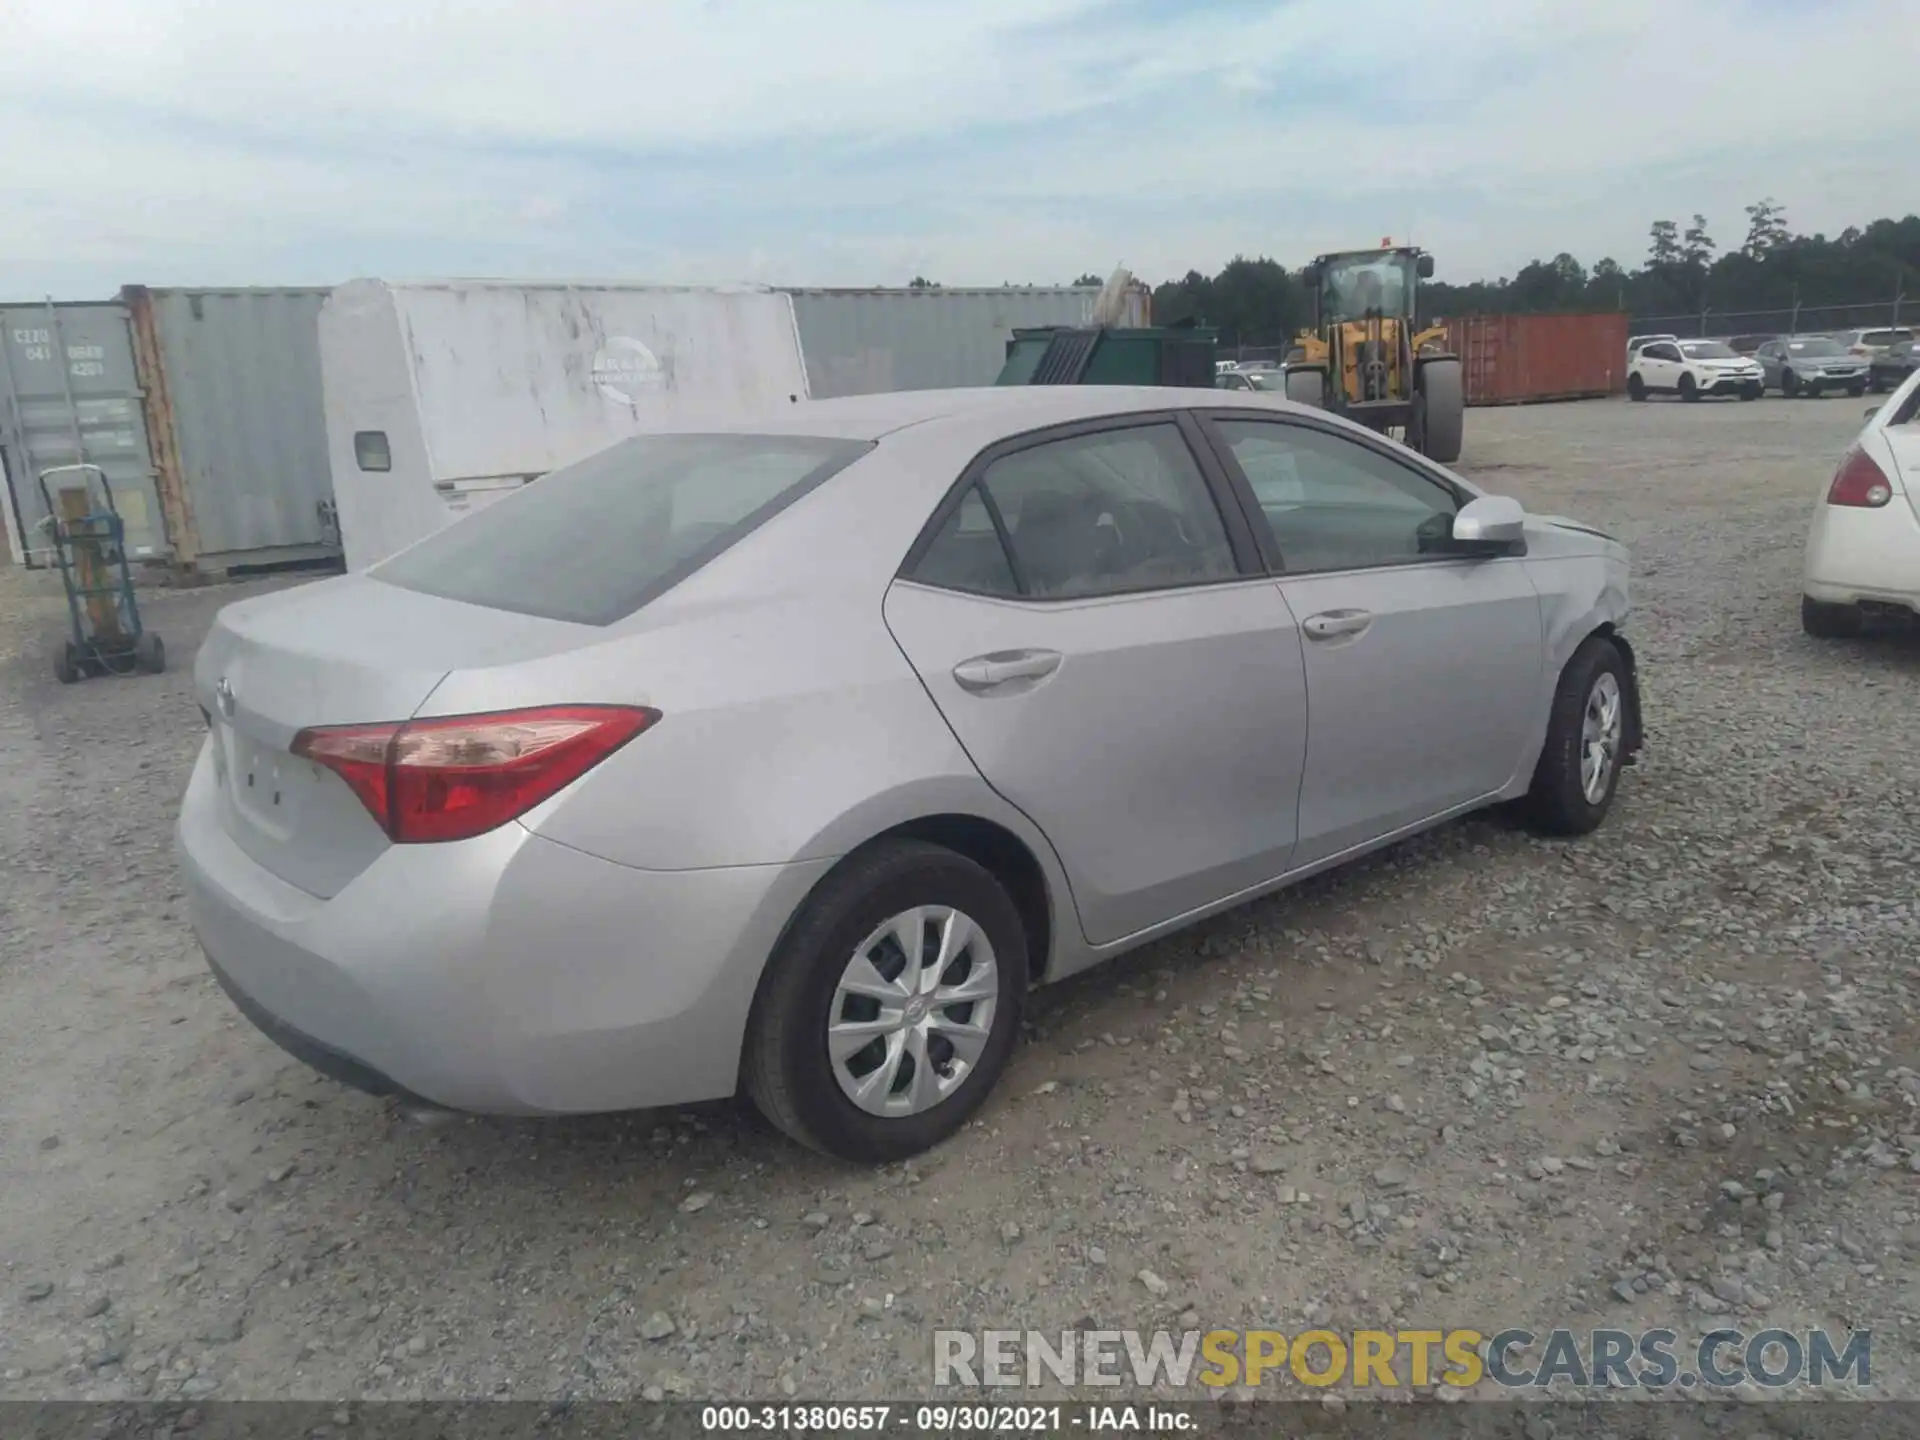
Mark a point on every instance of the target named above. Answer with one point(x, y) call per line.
point(786, 734)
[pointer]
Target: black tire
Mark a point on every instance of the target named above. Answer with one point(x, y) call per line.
point(68, 666)
point(1825, 621)
point(1752, 392)
point(1857, 389)
point(149, 654)
point(1307, 387)
point(1789, 383)
point(1689, 392)
point(1875, 383)
point(1636, 388)
point(786, 1069)
point(1443, 417)
point(1556, 804)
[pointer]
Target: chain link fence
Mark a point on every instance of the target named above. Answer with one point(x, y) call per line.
point(1792, 320)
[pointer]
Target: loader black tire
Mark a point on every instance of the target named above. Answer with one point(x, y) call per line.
point(1443, 410)
point(1307, 387)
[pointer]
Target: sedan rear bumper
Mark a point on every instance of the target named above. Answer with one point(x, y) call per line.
point(1858, 554)
point(506, 974)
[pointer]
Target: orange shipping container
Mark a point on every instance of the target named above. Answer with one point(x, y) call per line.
point(1517, 359)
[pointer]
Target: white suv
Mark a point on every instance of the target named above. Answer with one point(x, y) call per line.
point(1692, 368)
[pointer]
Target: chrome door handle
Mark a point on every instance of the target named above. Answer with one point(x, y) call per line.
point(984, 672)
point(1334, 623)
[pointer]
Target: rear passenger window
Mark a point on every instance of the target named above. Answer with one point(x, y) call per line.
point(967, 554)
point(1099, 514)
point(1333, 504)
point(1109, 512)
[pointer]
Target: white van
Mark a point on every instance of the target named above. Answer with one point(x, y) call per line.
point(443, 396)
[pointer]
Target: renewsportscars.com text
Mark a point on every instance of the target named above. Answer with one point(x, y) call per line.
point(1395, 1359)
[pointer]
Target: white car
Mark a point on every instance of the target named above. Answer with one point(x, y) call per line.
point(1863, 553)
point(1692, 368)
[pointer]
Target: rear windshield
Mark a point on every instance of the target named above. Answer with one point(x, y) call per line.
point(594, 541)
point(1884, 337)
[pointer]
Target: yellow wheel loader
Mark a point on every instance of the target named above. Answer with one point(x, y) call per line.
point(1364, 360)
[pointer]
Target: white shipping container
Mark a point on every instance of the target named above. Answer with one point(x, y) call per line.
point(443, 396)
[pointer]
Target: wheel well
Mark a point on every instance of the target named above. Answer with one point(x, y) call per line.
point(1003, 855)
point(1609, 631)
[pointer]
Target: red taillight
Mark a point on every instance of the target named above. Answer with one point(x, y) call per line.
point(1859, 482)
point(461, 776)
point(1860, 350)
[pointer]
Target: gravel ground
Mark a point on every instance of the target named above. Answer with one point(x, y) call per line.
point(1659, 1075)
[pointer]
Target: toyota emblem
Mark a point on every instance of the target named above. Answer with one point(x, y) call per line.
point(223, 696)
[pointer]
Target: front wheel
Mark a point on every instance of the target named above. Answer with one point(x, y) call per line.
point(149, 654)
point(1579, 767)
point(1857, 389)
point(1689, 392)
point(1752, 392)
point(1824, 621)
point(889, 1011)
point(1789, 384)
point(1876, 384)
point(1442, 410)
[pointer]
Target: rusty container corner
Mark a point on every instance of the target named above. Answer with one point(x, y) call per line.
point(1529, 359)
point(230, 385)
point(163, 443)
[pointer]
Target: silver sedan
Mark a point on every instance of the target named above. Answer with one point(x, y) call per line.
point(789, 757)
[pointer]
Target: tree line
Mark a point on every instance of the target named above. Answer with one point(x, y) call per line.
point(1259, 302)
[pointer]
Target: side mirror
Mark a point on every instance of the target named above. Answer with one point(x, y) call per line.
point(1491, 525)
point(1426, 267)
point(1872, 410)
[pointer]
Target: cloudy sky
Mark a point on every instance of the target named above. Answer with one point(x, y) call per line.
point(851, 142)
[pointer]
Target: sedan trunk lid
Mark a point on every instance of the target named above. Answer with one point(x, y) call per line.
point(340, 652)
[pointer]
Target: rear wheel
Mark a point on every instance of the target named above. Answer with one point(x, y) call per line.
point(1636, 388)
point(1689, 392)
point(1825, 621)
point(1307, 387)
point(1442, 410)
point(890, 1009)
point(149, 654)
point(1579, 767)
point(1857, 389)
point(1875, 383)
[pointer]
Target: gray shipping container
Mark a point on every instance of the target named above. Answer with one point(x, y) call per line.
point(860, 342)
point(235, 418)
point(69, 393)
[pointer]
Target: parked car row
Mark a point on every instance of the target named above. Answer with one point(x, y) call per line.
point(1748, 366)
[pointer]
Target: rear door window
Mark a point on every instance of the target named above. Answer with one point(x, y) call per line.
point(1104, 513)
point(594, 541)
